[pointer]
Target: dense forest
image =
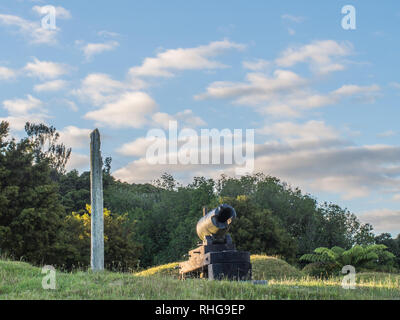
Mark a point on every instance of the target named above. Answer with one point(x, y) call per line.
point(45, 212)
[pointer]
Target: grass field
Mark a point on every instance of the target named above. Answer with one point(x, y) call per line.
point(19, 280)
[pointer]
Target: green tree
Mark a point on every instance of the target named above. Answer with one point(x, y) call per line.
point(30, 213)
point(258, 230)
point(44, 141)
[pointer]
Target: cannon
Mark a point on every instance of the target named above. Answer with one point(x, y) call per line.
point(216, 258)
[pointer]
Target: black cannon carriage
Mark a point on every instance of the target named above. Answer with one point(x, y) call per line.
point(217, 258)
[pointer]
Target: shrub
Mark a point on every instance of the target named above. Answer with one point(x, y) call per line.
point(319, 269)
point(121, 252)
point(328, 261)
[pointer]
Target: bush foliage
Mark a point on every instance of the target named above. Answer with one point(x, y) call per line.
point(325, 262)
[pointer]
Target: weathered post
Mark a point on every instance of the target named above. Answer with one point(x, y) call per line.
point(96, 189)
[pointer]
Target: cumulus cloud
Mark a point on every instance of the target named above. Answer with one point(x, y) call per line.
point(45, 69)
point(22, 110)
point(130, 110)
point(92, 49)
point(395, 85)
point(75, 137)
point(6, 73)
point(78, 162)
point(122, 104)
point(54, 85)
point(173, 60)
point(257, 65)
point(186, 118)
point(350, 171)
point(293, 132)
point(285, 94)
point(30, 29)
point(383, 220)
point(22, 106)
point(319, 54)
point(258, 88)
point(100, 88)
point(139, 171)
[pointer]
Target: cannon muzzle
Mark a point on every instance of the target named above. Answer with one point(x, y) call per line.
point(216, 222)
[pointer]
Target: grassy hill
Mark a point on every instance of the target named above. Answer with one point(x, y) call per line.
point(19, 280)
point(264, 268)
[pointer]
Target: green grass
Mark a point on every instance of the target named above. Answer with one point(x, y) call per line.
point(264, 268)
point(19, 280)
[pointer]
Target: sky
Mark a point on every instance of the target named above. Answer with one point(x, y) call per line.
point(323, 100)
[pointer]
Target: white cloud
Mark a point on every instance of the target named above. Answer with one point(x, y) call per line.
point(162, 119)
point(257, 65)
point(108, 34)
point(78, 161)
point(139, 171)
point(30, 29)
point(22, 106)
point(383, 220)
point(55, 85)
point(170, 61)
point(6, 73)
point(395, 85)
point(349, 171)
point(71, 104)
point(45, 69)
point(285, 94)
point(138, 147)
point(319, 54)
point(258, 88)
point(350, 90)
point(130, 110)
point(100, 88)
point(292, 18)
point(92, 49)
point(75, 137)
point(389, 133)
point(21, 111)
point(293, 132)
point(185, 118)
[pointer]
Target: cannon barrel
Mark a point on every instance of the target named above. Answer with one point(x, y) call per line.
point(216, 222)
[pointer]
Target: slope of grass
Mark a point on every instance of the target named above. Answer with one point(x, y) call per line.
point(264, 268)
point(170, 269)
point(21, 281)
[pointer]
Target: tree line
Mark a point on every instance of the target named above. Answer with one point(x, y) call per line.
point(45, 212)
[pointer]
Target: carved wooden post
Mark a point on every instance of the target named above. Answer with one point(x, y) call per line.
point(96, 189)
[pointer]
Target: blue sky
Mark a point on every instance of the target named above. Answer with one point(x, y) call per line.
point(323, 101)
